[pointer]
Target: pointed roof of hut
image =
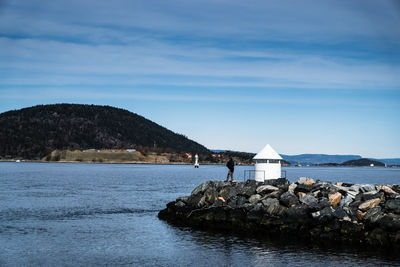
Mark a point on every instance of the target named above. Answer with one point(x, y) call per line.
point(267, 153)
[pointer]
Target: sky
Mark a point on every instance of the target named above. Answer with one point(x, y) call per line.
point(303, 76)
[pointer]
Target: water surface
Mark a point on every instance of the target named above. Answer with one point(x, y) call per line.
point(106, 214)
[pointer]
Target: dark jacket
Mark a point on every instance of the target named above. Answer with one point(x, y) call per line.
point(231, 165)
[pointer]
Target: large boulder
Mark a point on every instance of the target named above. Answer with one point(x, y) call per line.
point(369, 204)
point(335, 198)
point(393, 205)
point(310, 201)
point(203, 187)
point(211, 195)
point(265, 189)
point(254, 199)
point(227, 192)
point(288, 199)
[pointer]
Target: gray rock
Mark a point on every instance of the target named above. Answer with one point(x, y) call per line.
point(241, 200)
point(275, 194)
point(265, 189)
point(246, 189)
point(180, 204)
point(254, 198)
point(298, 212)
point(194, 200)
point(227, 192)
point(367, 188)
point(210, 195)
point(326, 214)
point(303, 188)
point(390, 222)
point(324, 202)
point(269, 201)
point(371, 195)
point(257, 207)
point(374, 215)
point(309, 201)
point(346, 201)
point(393, 205)
point(288, 199)
point(291, 188)
point(316, 214)
point(183, 199)
point(339, 213)
point(280, 182)
point(203, 187)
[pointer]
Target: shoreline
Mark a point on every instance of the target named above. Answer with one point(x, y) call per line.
point(182, 163)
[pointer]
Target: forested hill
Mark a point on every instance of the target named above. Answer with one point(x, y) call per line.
point(34, 132)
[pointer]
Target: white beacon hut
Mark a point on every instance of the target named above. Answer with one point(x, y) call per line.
point(267, 164)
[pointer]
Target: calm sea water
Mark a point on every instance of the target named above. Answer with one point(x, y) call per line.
point(101, 214)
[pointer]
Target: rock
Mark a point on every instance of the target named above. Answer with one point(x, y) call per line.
point(272, 206)
point(371, 195)
point(227, 192)
point(345, 201)
point(335, 198)
point(316, 193)
point(298, 212)
point(202, 187)
point(309, 182)
point(339, 213)
point(339, 183)
point(275, 194)
point(265, 189)
point(393, 205)
point(360, 215)
point(280, 182)
point(183, 199)
point(369, 204)
point(390, 222)
point(195, 200)
point(367, 188)
point(310, 201)
point(291, 188)
point(241, 200)
point(254, 198)
point(303, 180)
point(210, 195)
point(288, 199)
point(303, 188)
point(269, 201)
point(323, 203)
point(316, 214)
point(247, 189)
point(326, 214)
point(387, 190)
point(180, 204)
point(301, 194)
point(374, 215)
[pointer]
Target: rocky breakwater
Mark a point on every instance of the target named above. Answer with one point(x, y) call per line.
point(320, 211)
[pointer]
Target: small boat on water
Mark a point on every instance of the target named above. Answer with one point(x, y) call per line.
point(17, 160)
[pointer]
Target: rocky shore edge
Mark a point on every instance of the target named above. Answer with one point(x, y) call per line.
point(362, 214)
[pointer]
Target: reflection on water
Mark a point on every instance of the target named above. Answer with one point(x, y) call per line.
point(99, 214)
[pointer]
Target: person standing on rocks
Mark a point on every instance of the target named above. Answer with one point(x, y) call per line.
point(231, 166)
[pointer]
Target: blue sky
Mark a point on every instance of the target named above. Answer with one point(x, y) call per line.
point(304, 76)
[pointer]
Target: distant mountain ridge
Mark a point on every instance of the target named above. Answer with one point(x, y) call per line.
point(305, 159)
point(34, 132)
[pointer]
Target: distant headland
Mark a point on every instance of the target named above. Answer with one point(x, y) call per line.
point(104, 134)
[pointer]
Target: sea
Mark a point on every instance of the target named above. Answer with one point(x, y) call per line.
point(65, 214)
